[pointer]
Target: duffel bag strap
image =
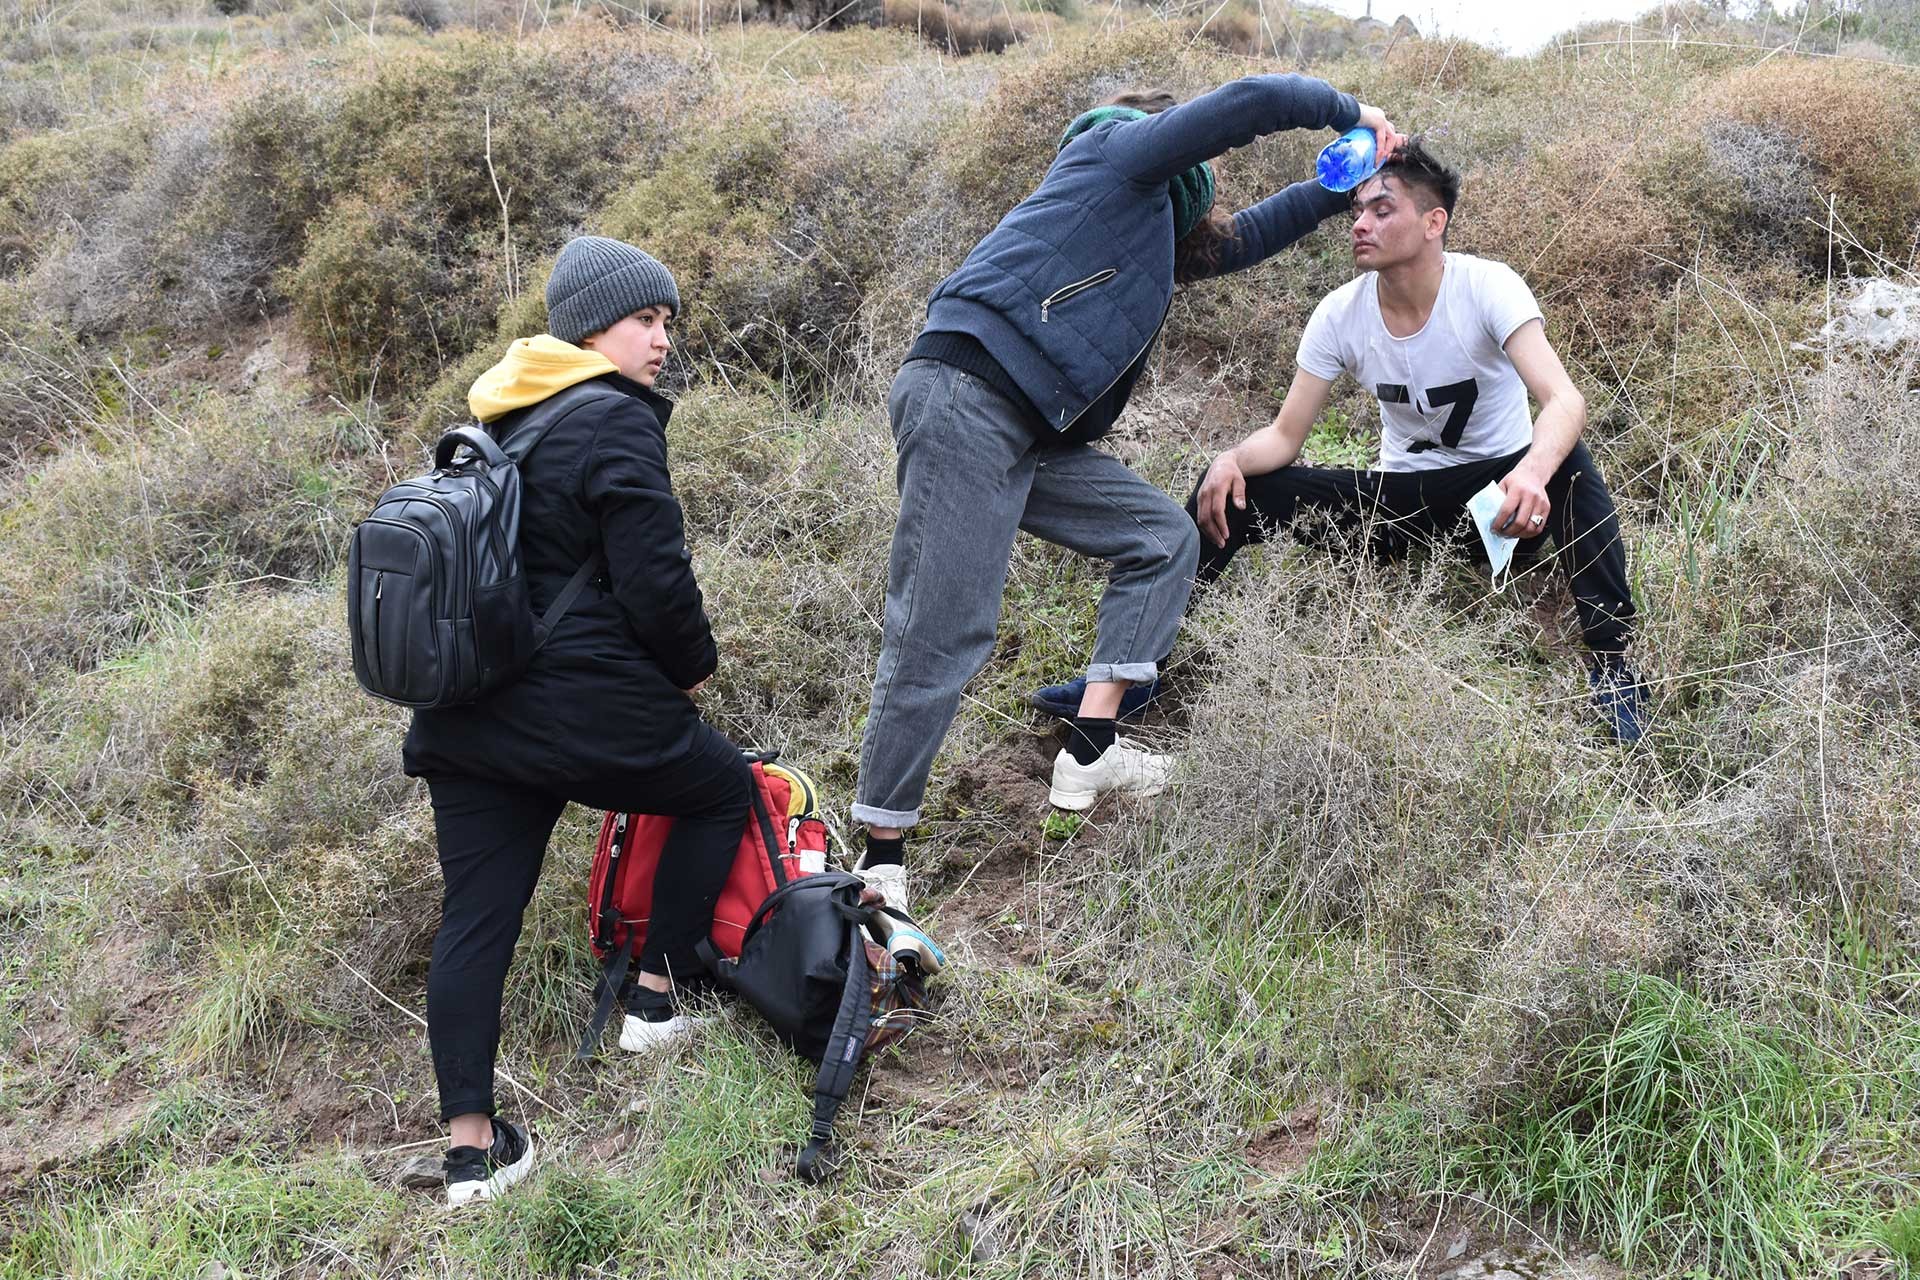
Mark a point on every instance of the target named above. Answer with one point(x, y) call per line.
point(613, 976)
point(822, 882)
point(850, 1026)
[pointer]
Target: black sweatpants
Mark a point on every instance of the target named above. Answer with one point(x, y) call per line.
point(493, 839)
point(1422, 506)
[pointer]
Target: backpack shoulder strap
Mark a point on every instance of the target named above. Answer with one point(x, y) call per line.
point(542, 418)
point(844, 1047)
point(568, 594)
point(519, 442)
point(768, 836)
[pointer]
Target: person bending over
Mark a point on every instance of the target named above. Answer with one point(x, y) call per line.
point(604, 716)
point(1030, 350)
point(1451, 345)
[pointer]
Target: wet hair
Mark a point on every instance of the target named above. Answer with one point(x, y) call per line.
point(1433, 182)
point(1197, 254)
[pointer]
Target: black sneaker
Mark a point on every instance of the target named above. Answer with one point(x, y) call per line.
point(473, 1174)
point(1619, 697)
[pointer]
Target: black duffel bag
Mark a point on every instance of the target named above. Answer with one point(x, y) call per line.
point(815, 965)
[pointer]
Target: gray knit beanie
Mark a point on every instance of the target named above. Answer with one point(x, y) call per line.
point(597, 282)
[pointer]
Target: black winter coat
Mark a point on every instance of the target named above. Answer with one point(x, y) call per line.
point(604, 698)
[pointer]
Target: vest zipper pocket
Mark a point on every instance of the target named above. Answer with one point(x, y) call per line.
point(1078, 286)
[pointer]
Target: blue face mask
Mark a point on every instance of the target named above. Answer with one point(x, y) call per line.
point(1484, 506)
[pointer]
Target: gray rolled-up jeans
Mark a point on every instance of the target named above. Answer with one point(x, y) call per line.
point(971, 474)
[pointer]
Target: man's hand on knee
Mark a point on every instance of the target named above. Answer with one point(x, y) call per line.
point(1224, 482)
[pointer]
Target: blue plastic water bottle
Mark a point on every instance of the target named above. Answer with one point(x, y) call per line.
point(1347, 161)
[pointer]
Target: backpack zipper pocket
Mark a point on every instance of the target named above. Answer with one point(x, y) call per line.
point(1066, 291)
point(458, 579)
point(435, 570)
point(373, 658)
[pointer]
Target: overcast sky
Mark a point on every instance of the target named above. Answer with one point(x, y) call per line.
point(1518, 26)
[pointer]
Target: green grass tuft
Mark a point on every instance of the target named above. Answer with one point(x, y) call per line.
point(1681, 1131)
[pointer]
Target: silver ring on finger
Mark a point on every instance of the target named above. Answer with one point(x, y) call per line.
point(1536, 521)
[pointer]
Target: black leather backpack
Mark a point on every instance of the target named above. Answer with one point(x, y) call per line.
point(436, 602)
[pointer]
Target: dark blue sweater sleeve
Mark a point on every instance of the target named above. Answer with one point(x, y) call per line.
point(1264, 229)
point(628, 491)
point(1164, 145)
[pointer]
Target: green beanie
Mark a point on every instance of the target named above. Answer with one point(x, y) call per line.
point(1191, 192)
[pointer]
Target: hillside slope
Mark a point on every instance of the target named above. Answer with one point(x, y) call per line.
point(1409, 962)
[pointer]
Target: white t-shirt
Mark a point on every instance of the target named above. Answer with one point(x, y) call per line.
point(1448, 394)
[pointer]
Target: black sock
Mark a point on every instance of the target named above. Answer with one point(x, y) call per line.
point(1088, 740)
point(884, 852)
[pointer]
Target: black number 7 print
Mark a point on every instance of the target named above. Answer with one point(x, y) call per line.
point(1461, 395)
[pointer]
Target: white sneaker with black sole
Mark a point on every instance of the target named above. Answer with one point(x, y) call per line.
point(1126, 769)
point(654, 1021)
point(890, 878)
point(474, 1175)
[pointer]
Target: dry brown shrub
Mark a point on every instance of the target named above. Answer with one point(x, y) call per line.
point(1234, 30)
point(947, 27)
point(113, 539)
point(1445, 65)
point(1857, 126)
point(1011, 138)
point(1592, 244)
point(1748, 188)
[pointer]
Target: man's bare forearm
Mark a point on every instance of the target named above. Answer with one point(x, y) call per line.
point(1555, 432)
point(1267, 449)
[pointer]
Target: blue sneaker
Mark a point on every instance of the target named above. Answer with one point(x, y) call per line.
point(1620, 699)
point(1063, 700)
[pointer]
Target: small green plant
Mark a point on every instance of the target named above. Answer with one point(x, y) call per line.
point(1338, 440)
point(1900, 1233)
point(1061, 825)
point(577, 1220)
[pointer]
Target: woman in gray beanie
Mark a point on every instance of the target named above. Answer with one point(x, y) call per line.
point(604, 716)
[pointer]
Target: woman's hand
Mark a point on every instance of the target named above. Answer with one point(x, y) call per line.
point(1385, 140)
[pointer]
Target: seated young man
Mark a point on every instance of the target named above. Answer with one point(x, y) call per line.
point(1452, 346)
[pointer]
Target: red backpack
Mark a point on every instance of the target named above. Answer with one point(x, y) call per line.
point(785, 838)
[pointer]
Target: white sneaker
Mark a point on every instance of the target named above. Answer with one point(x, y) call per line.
point(890, 878)
point(1123, 768)
point(654, 1021)
point(637, 1035)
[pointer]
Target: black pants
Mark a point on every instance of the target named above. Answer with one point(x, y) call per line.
point(1423, 506)
point(493, 839)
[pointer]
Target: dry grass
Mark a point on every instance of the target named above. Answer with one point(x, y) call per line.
point(1372, 953)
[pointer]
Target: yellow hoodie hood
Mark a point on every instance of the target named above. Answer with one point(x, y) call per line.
point(534, 369)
